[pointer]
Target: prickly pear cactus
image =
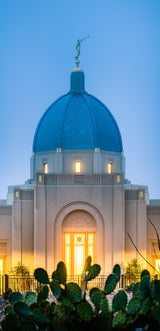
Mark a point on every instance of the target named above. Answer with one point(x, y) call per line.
point(146, 305)
point(67, 303)
point(155, 289)
point(55, 288)
point(134, 306)
point(43, 294)
point(84, 310)
point(119, 320)
point(39, 317)
point(93, 290)
point(61, 273)
point(110, 284)
point(105, 307)
point(93, 272)
point(87, 264)
point(15, 297)
point(136, 288)
point(30, 298)
point(156, 312)
point(41, 276)
point(145, 287)
point(73, 292)
point(117, 271)
point(11, 322)
point(96, 298)
point(145, 273)
point(22, 309)
point(119, 301)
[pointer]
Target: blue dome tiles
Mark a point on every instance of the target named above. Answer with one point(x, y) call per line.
point(77, 121)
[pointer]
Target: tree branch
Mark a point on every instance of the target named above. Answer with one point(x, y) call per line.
point(156, 232)
point(140, 253)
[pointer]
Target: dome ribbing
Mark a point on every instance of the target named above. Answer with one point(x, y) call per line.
point(77, 120)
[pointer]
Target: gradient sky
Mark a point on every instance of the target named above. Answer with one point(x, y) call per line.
point(121, 61)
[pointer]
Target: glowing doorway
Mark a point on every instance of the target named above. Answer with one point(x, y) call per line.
point(77, 247)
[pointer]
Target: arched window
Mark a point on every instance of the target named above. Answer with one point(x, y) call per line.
point(45, 168)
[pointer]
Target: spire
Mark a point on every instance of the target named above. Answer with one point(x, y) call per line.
point(77, 74)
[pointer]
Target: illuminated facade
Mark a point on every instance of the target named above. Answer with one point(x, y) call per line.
point(77, 201)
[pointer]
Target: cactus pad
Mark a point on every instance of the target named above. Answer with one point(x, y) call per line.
point(73, 292)
point(145, 273)
point(93, 272)
point(30, 298)
point(105, 307)
point(11, 322)
point(110, 284)
point(61, 273)
point(22, 309)
point(15, 297)
point(39, 317)
point(145, 287)
point(119, 320)
point(146, 305)
point(8, 309)
point(55, 288)
point(87, 264)
point(96, 298)
point(155, 287)
point(93, 290)
point(119, 301)
point(133, 306)
point(117, 271)
point(136, 288)
point(67, 303)
point(43, 294)
point(41, 276)
point(156, 312)
point(84, 310)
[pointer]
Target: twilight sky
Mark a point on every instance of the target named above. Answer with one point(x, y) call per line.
point(121, 61)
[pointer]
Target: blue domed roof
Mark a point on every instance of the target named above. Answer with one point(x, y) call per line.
point(77, 120)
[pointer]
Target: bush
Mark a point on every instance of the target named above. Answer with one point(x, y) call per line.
point(72, 311)
point(133, 270)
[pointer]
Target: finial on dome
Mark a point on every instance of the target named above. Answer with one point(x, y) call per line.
point(79, 41)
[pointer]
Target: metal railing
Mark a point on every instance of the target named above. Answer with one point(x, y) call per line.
point(23, 283)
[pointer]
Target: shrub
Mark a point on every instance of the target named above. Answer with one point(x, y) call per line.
point(133, 270)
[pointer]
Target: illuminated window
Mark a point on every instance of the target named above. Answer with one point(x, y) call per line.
point(110, 168)
point(118, 178)
point(45, 168)
point(77, 247)
point(17, 194)
point(141, 194)
point(78, 166)
point(40, 178)
point(58, 150)
point(97, 150)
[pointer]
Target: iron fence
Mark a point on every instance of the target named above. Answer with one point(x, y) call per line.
point(23, 283)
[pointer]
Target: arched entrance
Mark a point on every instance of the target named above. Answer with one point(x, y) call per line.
point(79, 240)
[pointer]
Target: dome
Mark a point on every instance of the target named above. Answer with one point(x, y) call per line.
point(77, 121)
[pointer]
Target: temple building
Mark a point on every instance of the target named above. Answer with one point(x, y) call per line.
point(77, 201)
